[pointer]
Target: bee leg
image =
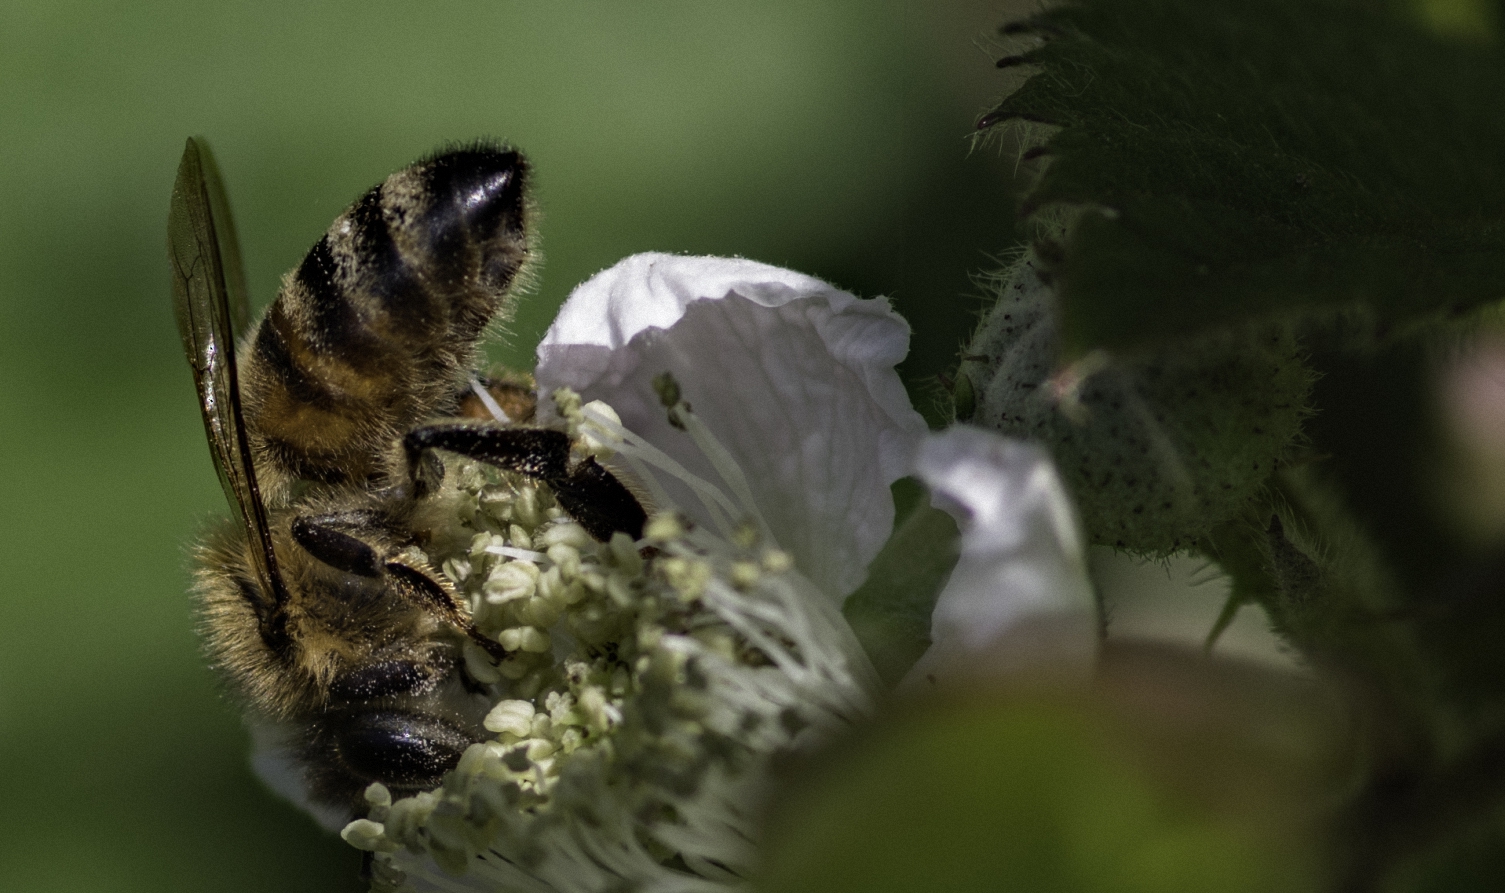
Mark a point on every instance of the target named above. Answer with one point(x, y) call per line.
point(421, 589)
point(588, 492)
point(536, 452)
point(321, 537)
point(594, 497)
point(426, 475)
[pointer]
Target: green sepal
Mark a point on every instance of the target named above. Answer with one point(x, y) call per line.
point(890, 612)
point(1299, 555)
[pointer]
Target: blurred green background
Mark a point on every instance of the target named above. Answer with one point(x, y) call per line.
point(830, 137)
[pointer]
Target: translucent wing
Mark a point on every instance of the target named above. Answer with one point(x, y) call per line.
point(209, 296)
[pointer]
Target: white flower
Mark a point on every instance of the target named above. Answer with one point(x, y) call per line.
point(795, 377)
point(1019, 597)
point(760, 412)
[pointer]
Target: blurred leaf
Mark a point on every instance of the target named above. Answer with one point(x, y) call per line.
point(1377, 431)
point(1468, 19)
point(1177, 773)
point(1476, 861)
point(1355, 559)
point(1246, 159)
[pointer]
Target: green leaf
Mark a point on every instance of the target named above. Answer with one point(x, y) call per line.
point(1257, 159)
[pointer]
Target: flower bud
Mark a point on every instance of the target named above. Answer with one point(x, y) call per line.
point(1156, 448)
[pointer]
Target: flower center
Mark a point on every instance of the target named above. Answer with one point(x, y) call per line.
point(648, 684)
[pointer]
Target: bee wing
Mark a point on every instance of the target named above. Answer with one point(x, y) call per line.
point(209, 297)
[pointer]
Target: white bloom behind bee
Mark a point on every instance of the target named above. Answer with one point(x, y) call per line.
point(630, 742)
point(636, 722)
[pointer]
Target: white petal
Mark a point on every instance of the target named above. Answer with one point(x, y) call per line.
point(1019, 595)
point(273, 762)
point(794, 376)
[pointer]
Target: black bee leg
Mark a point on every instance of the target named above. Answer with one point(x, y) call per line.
point(426, 474)
point(365, 556)
point(536, 452)
point(434, 596)
point(322, 537)
point(592, 495)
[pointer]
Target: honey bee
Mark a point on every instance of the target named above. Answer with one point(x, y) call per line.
point(318, 603)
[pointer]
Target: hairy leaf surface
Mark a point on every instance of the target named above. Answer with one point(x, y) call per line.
point(1256, 159)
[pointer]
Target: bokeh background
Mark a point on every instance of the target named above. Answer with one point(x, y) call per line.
point(831, 137)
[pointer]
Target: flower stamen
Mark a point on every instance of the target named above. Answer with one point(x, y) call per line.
point(645, 694)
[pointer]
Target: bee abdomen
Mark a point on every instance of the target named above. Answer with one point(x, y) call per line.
point(373, 329)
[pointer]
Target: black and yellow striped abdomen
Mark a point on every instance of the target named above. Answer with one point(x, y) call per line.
point(373, 331)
